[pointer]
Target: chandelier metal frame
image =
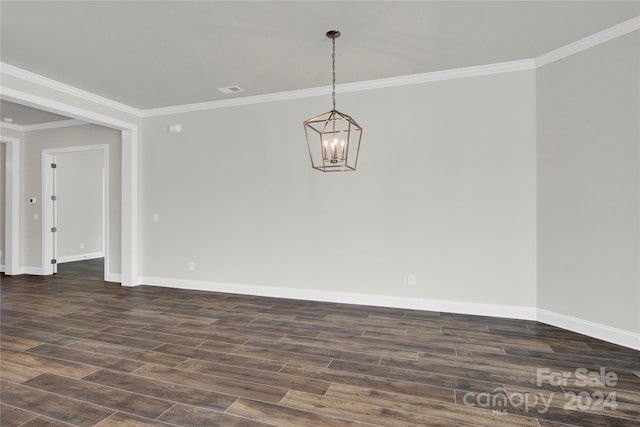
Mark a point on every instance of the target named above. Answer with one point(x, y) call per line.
point(333, 138)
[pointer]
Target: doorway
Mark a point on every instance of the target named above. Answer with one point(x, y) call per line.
point(75, 212)
point(129, 173)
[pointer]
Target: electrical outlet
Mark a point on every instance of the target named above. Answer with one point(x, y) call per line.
point(192, 266)
point(35, 216)
point(81, 245)
point(156, 217)
point(411, 280)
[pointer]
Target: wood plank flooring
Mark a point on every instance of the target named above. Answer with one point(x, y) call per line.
point(78, 351)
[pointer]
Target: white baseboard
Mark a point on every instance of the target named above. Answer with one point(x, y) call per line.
point(35, 271)
point(461, 307)
point(112, 277)
point(79, 257)
point(592, 329)
point(574, 324)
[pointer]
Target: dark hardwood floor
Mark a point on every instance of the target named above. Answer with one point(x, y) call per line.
point(79, 351)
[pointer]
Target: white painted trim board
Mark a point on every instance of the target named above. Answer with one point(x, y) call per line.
point(595, 330)
point(79, 257)
point(12, 205)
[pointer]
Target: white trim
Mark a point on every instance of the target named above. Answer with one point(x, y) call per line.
point(78, 148)
point(129, 170)
point(462, 307)
point(457, 73)
point(592, 329)
point(47, 213)
point(42, 126)
point(12, 205)
point(80, 257)
point(112, 277)
point(53, 125)
point(581, 326)
point(588, 42)
point(435, 76)
point(35, 271)
point(104, 237)
point(38, 79)
point(1, 268)
point(47, 104)
point(129, 220)
point(48, 156)
point(11, 126)
point(235, 102)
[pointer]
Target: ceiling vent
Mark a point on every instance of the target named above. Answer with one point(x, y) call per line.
point(231, 89)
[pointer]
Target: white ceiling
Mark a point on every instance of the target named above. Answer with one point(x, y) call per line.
point(154, 54)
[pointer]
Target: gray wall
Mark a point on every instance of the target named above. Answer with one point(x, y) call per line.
point(445, 190)
point(588, 184)
point(79, 190)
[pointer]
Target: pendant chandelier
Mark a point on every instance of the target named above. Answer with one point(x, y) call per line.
point(333, 138)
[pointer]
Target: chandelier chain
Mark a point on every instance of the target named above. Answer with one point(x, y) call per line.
point(333, 59)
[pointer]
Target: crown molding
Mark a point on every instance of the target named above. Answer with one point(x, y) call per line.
point(14, 71)
point(456, 73)
point(43, 126)
point(11, 126)
point(588, 42)
point(48, 104)
point(53, 125)
point(435, 76)
point(235, 102)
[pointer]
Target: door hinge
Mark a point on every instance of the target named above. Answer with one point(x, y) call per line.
point(54, 198)
point(54, 261)
point(53, 166)
point(54, 229)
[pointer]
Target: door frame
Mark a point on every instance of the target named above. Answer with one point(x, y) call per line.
point(48, 157)
point(12, 206)
point(129, 275)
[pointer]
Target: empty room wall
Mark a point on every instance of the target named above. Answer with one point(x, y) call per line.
point(589, 185)
point(445, 190)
